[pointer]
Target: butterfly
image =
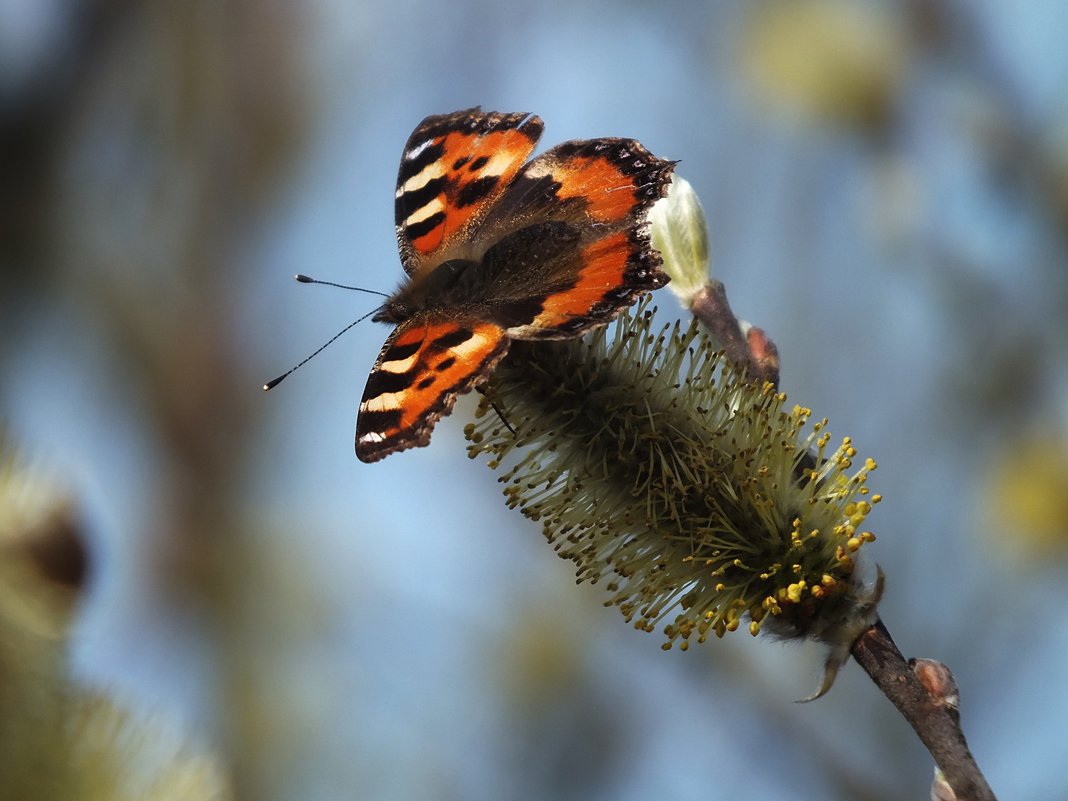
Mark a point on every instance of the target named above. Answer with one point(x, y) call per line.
point(496, 248)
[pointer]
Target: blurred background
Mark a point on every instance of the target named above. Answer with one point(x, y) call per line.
point(230, 605)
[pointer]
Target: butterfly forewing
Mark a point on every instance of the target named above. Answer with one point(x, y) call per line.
point(453, 168)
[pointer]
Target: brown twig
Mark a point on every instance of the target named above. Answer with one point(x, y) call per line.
point(747, 348)
point(925, 693)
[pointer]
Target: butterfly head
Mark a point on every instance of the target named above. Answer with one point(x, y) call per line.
point(394, 311)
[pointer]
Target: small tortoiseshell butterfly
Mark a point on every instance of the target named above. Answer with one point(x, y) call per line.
point(496, 249)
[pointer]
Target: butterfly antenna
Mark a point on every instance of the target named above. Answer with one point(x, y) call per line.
point(304, 279)
point(275, 382)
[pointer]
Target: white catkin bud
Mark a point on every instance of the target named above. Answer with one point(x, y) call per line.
point(680, 233)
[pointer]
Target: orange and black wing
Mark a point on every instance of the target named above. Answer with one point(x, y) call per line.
point(454, 167)
point(576, 220)
point(495, 250)
point(425, 364)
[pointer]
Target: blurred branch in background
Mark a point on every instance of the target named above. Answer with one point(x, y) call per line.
point(36, 116)
point(134, 171)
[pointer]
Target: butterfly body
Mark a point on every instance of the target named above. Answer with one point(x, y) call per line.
point(497, 248)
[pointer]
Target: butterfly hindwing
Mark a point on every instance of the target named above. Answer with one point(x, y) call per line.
point(425, 364)
point(595, 182)
point(600, 191)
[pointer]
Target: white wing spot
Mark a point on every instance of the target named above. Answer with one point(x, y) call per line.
point(399, 365)
point(429, 210)
point(413, 154)
point(434, 169)
point(472, 343)
point(386, 402)
point(498, 163)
